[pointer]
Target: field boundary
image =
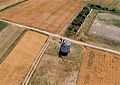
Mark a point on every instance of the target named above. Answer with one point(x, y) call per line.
point(77, 13)
point(2, 8)
point(84, 22)
point(35, 63)
point(59, 36)
point(12, 45)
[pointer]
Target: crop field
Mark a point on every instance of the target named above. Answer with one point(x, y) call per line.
point(47, 15)
point(99, 68)
point(8, 37)
point(53, 70)
point(7, 3)
point(14, 68)
point(118, 6)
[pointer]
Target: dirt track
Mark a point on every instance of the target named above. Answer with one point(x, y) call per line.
point(99, 68)
point(7, 38)
point(14, 68)
point(47, 15)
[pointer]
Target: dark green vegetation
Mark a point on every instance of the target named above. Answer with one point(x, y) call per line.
point(12, 6)
point(3, 25)
point(74, 27)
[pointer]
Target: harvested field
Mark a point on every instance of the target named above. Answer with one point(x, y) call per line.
point(7, 3)
point(53, 70)
point(8, 37)
point(99, 68)
point(14, 68)
point(46, 15)
point(106, 26)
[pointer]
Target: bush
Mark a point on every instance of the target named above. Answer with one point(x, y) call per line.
point(98, 6)
point(3, 25)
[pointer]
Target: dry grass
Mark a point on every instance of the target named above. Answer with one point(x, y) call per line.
point(53, 70)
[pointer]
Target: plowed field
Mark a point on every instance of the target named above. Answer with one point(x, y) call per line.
point(6, 3)
point(99, 68)
point(8, 36)
point(14, 68)
point(47, 15)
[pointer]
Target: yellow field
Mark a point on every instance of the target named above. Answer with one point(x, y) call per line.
point(99, 68)
point(18, 62)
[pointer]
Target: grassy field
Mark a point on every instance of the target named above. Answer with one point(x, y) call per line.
point(53, 70)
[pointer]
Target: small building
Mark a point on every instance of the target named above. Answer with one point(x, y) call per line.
point(64, 48)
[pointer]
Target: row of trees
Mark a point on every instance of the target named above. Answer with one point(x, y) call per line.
point(78, 21)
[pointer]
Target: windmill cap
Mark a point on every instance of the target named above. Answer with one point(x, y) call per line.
point(67, 43)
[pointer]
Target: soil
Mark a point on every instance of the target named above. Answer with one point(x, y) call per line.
point(7, 37)
point(14, 68)
point(99, 68)
point(46, 15)
point(7, 3)
point(106, 26)
point(53, 70)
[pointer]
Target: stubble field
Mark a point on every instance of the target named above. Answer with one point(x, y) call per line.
point(14, 68)
point(99, 68)
point(6, 3)
point(8, 37)
point(47, 15)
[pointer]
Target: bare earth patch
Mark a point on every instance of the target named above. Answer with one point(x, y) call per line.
point(106, 26)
